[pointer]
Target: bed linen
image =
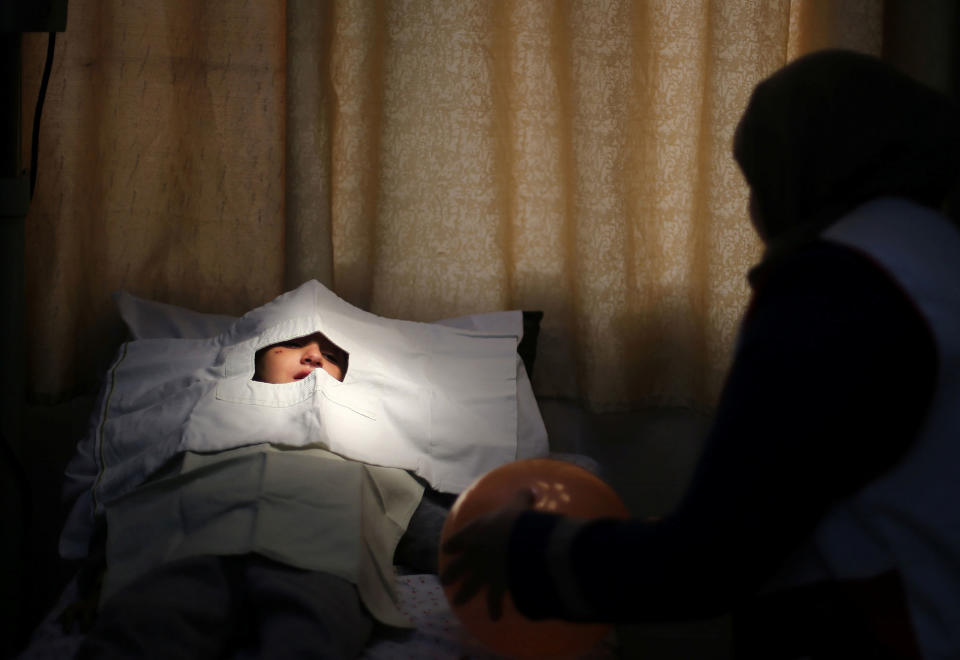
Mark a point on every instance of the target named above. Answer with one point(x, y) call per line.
point(306, 508)
point(439, 401)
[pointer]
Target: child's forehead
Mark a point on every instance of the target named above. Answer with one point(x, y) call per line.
point(318, 337)
point(321, 339)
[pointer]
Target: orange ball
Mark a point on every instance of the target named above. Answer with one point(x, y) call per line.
point(562, 488)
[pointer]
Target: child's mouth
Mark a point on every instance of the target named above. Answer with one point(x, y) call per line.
point(302, 374)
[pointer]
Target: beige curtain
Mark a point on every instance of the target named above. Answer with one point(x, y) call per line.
point(161, 170)
point(425, 159)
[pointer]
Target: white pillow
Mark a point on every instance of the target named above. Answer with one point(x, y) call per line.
point(440, 401)
point(147, 319)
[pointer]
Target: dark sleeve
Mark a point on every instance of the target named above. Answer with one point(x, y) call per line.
point(418, 548)
point(831, 379)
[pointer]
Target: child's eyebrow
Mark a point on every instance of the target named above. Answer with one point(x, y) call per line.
point(323, 342)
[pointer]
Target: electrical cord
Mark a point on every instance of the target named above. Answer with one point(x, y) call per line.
point(35, 142)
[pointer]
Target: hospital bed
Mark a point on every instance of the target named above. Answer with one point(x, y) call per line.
point(436, 633)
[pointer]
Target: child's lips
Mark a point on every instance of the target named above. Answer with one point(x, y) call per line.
point(300, 375)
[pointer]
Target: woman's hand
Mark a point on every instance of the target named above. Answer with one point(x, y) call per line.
point(482, 546)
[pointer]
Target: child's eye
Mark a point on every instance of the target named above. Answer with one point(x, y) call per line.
point(293, 343)
point(330, 357)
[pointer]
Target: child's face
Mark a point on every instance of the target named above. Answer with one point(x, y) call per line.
point(297, 358)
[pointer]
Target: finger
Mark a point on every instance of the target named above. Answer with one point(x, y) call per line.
point(463, 538)
point(479, 528)
point(469, 588)
point(455, 570)
point(495, 601)
point(525, 498)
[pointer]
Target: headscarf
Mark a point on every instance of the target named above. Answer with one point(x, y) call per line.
point(835, 129)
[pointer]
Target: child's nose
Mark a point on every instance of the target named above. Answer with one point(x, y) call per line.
point(312, 356)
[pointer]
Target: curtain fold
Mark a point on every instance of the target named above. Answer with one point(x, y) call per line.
point(425, 159)
point(308, 251)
